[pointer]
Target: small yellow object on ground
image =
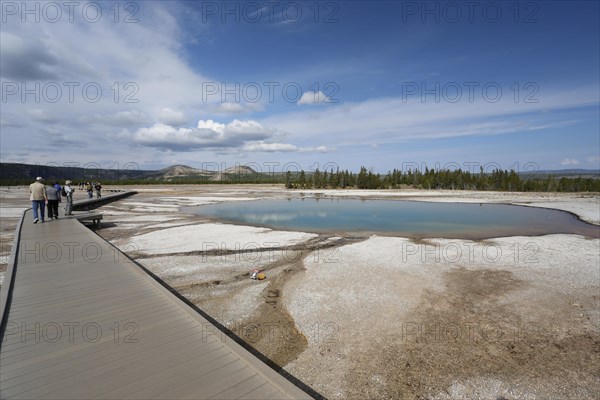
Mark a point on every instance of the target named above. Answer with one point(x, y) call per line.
point(256, 274)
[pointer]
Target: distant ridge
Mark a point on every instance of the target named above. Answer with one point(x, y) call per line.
point(239, 170)
point(567, 173)
point(179, 171)
point(15, 172)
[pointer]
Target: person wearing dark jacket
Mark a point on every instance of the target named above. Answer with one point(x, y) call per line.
point(53, 195)
point(98, 188)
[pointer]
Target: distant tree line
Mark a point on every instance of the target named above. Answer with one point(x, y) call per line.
point(500, 180)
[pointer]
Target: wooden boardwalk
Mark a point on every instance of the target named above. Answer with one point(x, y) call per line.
point(82, 321)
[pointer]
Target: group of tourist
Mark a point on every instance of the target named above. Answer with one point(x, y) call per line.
point(90, 187)
point(51, 195)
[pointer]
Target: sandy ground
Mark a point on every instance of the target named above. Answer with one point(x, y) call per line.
point(379, 317)
point(451, 318)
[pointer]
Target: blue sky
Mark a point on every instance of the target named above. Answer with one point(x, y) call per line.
point(383, 84)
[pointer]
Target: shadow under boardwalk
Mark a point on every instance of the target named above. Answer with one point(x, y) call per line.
point(81, 320)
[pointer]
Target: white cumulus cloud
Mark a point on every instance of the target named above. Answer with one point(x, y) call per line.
point(237, 135)
point(311, 97)
point(208, 134)
point(270, 147)
point(569, 161)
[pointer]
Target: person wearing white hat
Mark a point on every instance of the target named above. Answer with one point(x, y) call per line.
point(69, 196)
point(38, 198)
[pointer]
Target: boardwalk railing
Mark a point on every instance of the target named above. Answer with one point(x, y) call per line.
point(90, 204)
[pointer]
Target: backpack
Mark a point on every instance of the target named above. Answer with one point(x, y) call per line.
point(63, 191)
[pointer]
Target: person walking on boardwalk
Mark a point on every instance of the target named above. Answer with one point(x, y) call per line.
point(68, 197)
point(38, 199)
point(89, 189)
point(53, 197)
point(98, 188)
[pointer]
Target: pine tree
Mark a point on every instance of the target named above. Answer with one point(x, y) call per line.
point(288, 180)
point(302, 180)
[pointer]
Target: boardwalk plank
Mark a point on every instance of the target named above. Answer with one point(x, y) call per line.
point(64, 365)
point(239, 389)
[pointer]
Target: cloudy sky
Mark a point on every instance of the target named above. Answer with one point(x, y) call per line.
point(384, 84)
